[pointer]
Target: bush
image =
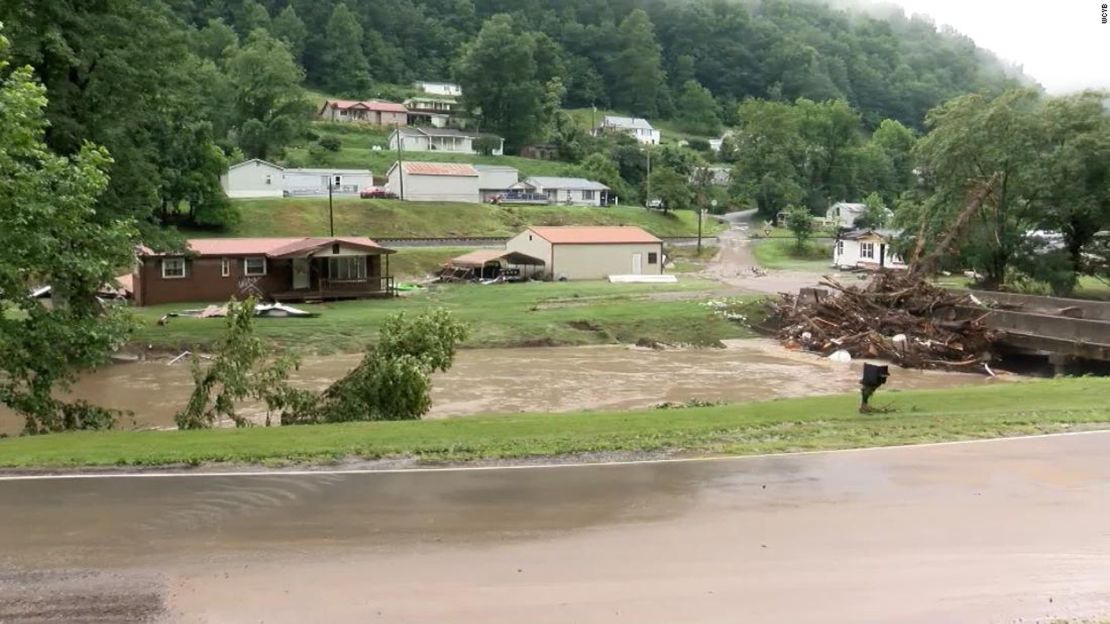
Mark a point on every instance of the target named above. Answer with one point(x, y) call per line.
point(309, 135)
point(331, 143)
point(698, 145)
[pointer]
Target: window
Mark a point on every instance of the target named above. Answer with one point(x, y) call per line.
point(867, 250)
point(267, 178)
point(552, 194)
point(840, 248)
point(173, 268)
point(653, 257)
point(254, 266)
point(225, 267)
point(347, 268)
point(588, 195)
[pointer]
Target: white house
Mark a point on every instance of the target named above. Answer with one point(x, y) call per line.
point(440, 140)
point(256, 178)
point(447, 89)
point(574, 252)
point(494, 180)
point(844, 214)
point(634, 127)
point(574, 191)
point(434, 182)
point(867, 249)
point(431, 111)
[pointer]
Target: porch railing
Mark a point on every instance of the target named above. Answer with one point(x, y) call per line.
point(370, 284)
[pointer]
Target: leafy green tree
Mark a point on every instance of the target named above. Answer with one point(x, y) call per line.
point(697, 110)
point(636, 70)
point(497, 73)
point(671, 188)
point(270, 108)
point(345, 69)
point(767, 148)
point(875, 215)
point(830, 131)
point(288, 27)
point(52, 236)
point(799, 221)
point(215, 39)
point(251, 16)
point(600, 167)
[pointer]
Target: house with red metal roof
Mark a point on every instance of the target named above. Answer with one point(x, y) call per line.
point(270, 269)
point(376, 112)
point(432, 181)
point(591, 252)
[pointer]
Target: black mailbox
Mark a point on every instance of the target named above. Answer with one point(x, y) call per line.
point(873, 377)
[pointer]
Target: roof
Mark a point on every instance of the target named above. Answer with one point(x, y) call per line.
point(565, 183)
point(328, 171)
point(588, 235)
point(271, 247)
point(501, 168)
point(626, 122)
point(438, 169)
point(483, 256)
point(374, 105)
point(256, 161)
point(849, 206)
point(446, 132)
point(880, 232)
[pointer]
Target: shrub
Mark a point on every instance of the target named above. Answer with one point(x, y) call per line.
point(331, 143)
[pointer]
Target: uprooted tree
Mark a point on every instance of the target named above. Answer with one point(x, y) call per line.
point(52, 235)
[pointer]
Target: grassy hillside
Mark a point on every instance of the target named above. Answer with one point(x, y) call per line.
point(393, 218)
point(670, 133)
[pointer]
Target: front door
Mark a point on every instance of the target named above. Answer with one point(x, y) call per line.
point(300, 273)
point(882, 256)
point(637, 264)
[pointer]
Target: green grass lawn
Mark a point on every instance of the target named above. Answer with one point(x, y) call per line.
point(782, 253)
point(535, 313)
point(399, 219)
point(814, 423)
point(1089, 287)
point(417, 262)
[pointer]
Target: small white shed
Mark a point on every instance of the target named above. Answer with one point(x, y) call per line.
point(591, 252)
point(867, 249)
point(254, 178)
point(435, 182)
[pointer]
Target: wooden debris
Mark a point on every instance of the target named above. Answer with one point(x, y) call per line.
point(897, 317)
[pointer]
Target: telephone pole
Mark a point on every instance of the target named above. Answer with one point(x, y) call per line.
point(400, 168)
point(331, 211)
point(647, 201)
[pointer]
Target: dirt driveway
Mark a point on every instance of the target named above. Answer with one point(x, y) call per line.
point(735, 265)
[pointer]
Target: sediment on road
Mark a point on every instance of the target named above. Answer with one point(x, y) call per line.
point(804, 424)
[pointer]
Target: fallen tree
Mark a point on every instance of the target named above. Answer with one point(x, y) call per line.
point(898, 317)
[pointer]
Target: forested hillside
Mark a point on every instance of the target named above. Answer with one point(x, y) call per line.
point(606, 53)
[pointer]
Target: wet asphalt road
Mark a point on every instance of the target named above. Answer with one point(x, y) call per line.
point(1005, 531)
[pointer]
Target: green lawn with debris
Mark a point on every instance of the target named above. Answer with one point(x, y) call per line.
point(500, 315)
point(787, 425)
point(783, 253)
point(299, 216)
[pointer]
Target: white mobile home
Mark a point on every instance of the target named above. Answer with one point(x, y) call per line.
point(302, 181)
point(573, 191)
point(254, 178)
point(582, 253)
point(867, 249)
point(436, 182)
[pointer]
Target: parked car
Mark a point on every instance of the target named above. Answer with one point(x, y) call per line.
point(376, 192)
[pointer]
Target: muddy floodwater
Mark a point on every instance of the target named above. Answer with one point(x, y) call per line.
point(547, 379)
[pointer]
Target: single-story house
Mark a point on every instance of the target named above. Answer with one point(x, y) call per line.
point(287, 269)
point(447, 89)
point(257, 178)
point(867, 249)
point(635, 127)
point(574, 191)
point(440, 140)
point(495, 180)
point(590, 252)
point(304, 181)
point(429, 181)
point(254, 178)
point(844, 214)
point(431, 111)
point(376, 112)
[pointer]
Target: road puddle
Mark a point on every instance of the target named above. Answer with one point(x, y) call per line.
point(543, 379)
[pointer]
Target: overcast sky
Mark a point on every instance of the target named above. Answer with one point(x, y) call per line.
point(1060, 43)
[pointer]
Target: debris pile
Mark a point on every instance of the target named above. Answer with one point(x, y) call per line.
point(897, 316)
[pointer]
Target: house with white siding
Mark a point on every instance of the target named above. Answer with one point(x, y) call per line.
point(440, 140)
point(434, 182)
point(593, 252)
point(446, 89)
point(571, 191)
point(867, 249)
point(254, 178)
point(257, 178)
point(495, 180)
point(635, 127)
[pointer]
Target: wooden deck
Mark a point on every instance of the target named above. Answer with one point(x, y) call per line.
point(373, 287)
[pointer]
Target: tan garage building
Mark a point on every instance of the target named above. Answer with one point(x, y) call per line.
point(582, 253)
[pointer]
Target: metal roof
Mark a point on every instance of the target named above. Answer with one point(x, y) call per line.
point(565, 183)
point(586, 235)
point(439, 169)
point(626, 122)
point(272, 247)
point(483, 256)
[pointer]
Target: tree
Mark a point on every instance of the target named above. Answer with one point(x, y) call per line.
point(288, 27)
point(875, 214)
point(830, 131)
point(214, 39)
point(269, 104)
point(243, 368)
point(345, 69)
point(799, 221)
point(697, 110)
point(767, 148)
point(52, 236)
point(598, 166)
point(671, 188)
point(497, 73)
point(636, 71)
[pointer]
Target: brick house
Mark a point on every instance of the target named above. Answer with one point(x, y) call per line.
point(285, 269)
point(376, 112)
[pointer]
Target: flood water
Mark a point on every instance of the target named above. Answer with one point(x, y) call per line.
point(544, 379)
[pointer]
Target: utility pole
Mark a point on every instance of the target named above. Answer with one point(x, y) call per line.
point(647, 203)
point(400, 167)
point(331, 211)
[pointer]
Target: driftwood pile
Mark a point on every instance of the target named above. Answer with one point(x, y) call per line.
point(897, 317)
